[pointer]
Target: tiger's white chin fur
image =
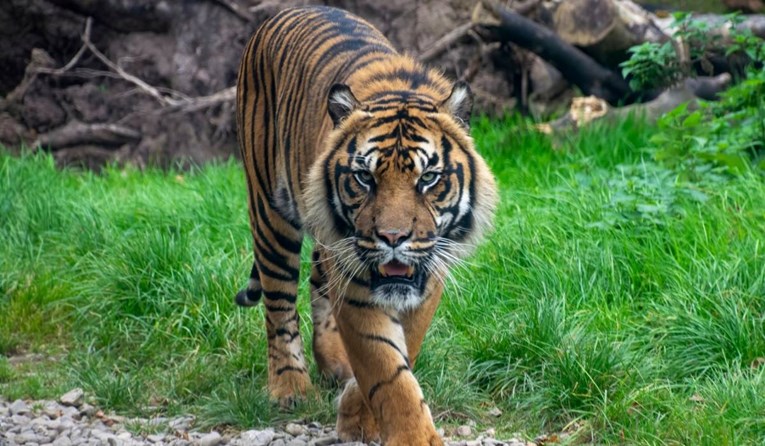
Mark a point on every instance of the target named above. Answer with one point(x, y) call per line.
point(397, 297)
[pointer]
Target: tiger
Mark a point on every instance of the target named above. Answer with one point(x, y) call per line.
point(369, 153)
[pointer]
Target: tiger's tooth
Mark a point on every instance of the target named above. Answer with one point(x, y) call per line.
point(381, 270)
point(410, 271)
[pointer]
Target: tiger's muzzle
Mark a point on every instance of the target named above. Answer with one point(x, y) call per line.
point(398, 267)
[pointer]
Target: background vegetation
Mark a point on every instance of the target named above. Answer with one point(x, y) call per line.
point(621, 297)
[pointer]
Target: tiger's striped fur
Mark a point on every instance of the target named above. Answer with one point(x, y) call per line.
point(369, 153)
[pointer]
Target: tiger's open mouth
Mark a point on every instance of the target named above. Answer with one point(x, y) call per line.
point(394, 268)
point(396, 273)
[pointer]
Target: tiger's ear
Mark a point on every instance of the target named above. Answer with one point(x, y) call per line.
point(460, 103)
point(341, 103)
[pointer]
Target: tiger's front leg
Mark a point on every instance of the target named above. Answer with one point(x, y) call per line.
point(384, 401)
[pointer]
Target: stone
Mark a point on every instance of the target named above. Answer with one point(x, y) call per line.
point(295, 429)
point(52, 410)
point(211, 439)
point(20, 420)
point(73, 397)
point(257, 438)
point(463, 431)
point(86, 410)
point(62, 440)
point(326, 441)
point(27, 437)
point(156, 438)
point(19, 407)
point(181, 424)
point(495, 412)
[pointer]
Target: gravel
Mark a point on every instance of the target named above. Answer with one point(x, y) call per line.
point(72, 422)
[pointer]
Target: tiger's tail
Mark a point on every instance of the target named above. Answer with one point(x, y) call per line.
point(250, 296)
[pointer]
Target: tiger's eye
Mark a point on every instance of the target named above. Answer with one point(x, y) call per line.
point(428, 178)
point(364, 177)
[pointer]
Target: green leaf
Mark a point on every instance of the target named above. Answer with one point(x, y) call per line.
point(692, 120)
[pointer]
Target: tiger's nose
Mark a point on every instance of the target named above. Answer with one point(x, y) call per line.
point(393, 237)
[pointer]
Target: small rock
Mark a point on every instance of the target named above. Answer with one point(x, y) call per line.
point(156, 438)
point(258, 438)
point(101, 435)
point(297, 442)
point(72, 398)
point(26, 437)
point(295, 429)
point(278, 442)
point(495, 412)
point(19, 407)
point(62, 440)
point(71, 412)
point(181, 424)
point(463, 431)
point(490, 432)
point(20, 420)
point(326, 441)
point(52, 410)
point(211, 439)
point(86, 410)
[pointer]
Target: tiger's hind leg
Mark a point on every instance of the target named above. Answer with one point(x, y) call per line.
point(328, 349)
point(277, 250)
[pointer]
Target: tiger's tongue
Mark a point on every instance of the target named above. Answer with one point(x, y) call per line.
point(395, 268)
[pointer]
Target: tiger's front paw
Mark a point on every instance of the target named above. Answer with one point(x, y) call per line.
point(289, 388)
point(355, 421)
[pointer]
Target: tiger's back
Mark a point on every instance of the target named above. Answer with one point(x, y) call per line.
point(369, 152)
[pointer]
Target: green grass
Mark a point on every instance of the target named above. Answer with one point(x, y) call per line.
point(612, 296)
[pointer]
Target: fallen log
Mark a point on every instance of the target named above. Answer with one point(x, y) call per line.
point(585, 110)
point(495, 22)
point(747, 6)
point(604, 29)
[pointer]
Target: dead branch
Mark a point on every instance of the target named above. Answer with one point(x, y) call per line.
point(76, 133)
point(76, 58)
point(448, 39)
point(199, 103)
point(526, 7)
point(173, 100)
point(240, 12)
point(265, 5)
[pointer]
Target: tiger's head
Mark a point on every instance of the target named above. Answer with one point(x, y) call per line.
point(399, 194)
